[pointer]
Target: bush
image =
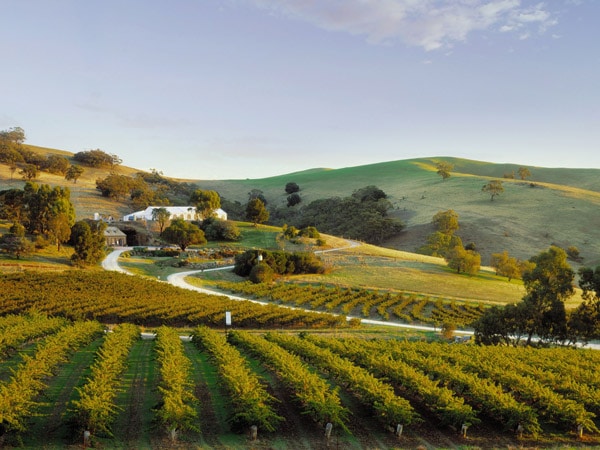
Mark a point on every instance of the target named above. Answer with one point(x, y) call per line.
point(41, 242)
point(573, 253)
point(291, 188)
point(220, 230)
point(96, 158)
point(448, 329)
point(261, 273)
point(282, 263)
point(310, 232)
point(290, 232)
point(293, 199)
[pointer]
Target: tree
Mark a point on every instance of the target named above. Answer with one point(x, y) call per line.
point(501, 325)
point(97, 158)
point(16, 245)
point(369, 193)
point(257, 193)
point(161, 216)
point(256, 211)
point(462, 260)
point(584, 321)
point(115, 186)
point(589, 282)
point(291, 188)
point(293, 199)
point(446, 221)
point(183, 234)
point(17, 229)
point(29, 172)
point(220, 230)
point(439, 244)
point(444, 168)
point(9, 153)
point(44, 202)
point(88, 242)
point(115, 161)
point(12, 166)
point(59, 228)
point(56, 164)
point(13, 205)
point(16, 135)
point(505, 265)
point(206, 202)
point(494, 188)
point(548, 285)
point(143, 194)
point(524, 172)
point(73, 173)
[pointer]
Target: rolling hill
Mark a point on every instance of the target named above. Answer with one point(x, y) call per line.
point(554, 206)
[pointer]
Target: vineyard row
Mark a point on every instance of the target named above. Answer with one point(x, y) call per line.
point(400, 383)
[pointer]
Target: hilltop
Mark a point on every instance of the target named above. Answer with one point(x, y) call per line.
point(554, 206)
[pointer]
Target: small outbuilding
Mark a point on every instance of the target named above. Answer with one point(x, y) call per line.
point(115, 237)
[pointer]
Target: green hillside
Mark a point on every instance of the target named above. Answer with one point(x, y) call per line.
point(553, 206)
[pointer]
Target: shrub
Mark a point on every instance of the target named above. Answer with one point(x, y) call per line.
point(291, 188)
point(261, 273)
point(290, 232)
point(448, 329)
point(41, 242)
point(282, 263)
point(220, 230)
point(310, 232)
point(573, 253)
point(293, 199)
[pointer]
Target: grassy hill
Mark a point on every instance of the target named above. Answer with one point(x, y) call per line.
point(553, 206)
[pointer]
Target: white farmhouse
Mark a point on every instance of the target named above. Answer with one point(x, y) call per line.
point(176, 212)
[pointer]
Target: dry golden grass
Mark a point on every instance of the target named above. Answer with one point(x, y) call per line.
point(84, 195)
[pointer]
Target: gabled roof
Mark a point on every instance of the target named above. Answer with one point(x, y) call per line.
point(114, 231)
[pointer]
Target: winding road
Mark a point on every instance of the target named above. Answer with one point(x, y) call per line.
point(111, 262)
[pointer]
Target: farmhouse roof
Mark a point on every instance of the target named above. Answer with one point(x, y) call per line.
point(183, 212)
point(114, 232)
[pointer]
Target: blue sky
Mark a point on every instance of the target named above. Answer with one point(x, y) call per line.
point(210, 89)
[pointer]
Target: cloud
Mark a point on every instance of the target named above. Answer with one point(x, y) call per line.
point(430, 24)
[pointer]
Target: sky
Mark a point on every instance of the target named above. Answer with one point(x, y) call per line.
point(235, 89)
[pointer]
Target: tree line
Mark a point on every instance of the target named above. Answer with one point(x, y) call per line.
point(30, 163)
point(40, 215)
point(541, 317)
